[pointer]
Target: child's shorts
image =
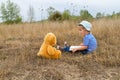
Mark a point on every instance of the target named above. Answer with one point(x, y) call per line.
point(67, 49)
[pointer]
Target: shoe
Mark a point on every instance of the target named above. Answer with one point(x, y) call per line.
point(65, 43)
point(58, 47)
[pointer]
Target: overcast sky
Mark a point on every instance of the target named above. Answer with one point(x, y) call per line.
point(93, 6)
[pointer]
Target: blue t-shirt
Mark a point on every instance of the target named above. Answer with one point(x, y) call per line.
point(90, 41)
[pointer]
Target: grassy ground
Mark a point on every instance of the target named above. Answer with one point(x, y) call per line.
point(19, 44)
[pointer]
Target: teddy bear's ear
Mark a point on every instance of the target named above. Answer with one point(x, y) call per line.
point(53, 39)
point(50, 38)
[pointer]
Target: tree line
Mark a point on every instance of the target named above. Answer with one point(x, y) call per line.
point(10, 13)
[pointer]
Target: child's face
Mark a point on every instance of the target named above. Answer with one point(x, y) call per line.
point(82, 31)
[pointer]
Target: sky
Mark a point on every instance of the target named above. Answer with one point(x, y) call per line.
point(93, 6)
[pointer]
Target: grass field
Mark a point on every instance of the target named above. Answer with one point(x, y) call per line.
point(19, 44)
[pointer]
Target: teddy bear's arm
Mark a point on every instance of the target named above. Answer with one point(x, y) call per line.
point(51, 50)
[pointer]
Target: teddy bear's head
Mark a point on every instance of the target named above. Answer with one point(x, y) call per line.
point(50, 38)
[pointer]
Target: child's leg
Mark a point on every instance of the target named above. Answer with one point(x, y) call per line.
point(66, 49)
point(84, 51)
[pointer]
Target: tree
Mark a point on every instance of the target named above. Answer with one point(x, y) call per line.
point(66, 15)
point(56, 16)
point(99, 15)
point(50, 11)
point(10, 12)
point(30, 14)
point(84, 14)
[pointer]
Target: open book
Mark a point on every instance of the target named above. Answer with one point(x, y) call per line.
point(73, 47)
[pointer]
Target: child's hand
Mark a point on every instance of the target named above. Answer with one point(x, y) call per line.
point(81, 44)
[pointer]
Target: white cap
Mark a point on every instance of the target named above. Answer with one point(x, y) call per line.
point(86, 24)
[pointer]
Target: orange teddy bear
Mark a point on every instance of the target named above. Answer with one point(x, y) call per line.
point(47, 50)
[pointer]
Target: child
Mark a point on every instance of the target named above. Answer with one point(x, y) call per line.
point(89, 42)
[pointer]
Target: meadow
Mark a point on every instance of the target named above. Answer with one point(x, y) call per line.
point(19, 44)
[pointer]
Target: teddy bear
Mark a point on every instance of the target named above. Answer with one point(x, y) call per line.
point(47, 49)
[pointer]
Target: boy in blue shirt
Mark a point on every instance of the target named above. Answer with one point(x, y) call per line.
point(89, 43)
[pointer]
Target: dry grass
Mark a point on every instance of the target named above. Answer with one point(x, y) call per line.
point(19, 44)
